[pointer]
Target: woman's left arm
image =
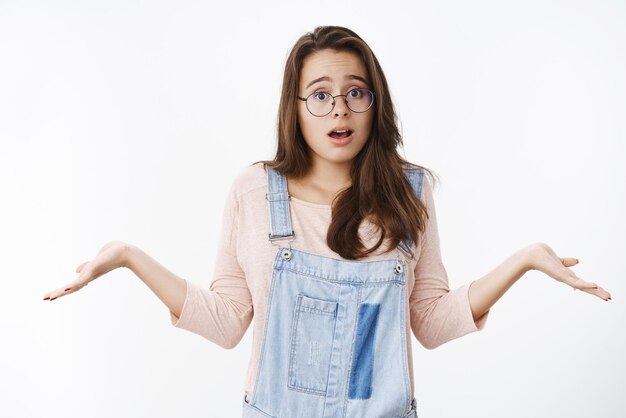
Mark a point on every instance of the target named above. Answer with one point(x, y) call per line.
point(485, 292)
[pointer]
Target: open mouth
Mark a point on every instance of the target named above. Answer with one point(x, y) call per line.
point(340, 134)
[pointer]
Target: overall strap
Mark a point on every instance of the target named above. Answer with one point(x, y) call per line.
point(278, 201)
point(416, 178)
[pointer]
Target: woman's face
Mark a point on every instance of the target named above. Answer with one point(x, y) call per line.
point(334, 72)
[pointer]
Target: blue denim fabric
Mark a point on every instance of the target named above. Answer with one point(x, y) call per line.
point(335, 331)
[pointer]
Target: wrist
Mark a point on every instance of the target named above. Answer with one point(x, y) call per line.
point(526, 259)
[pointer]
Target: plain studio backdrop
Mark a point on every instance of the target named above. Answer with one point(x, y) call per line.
point(129, 120)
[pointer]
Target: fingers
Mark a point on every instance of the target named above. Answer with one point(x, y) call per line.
point(569, 261)
point(63, 291)
point(86, 274)
point(54, 294)
point(590, 288)
point(568, 276)
point(599, 292)
point(578, 283)
point(80, 267)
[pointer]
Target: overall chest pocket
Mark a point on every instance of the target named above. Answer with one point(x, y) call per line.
point(312, 333)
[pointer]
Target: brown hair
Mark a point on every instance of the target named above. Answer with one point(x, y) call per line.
point(380, 189)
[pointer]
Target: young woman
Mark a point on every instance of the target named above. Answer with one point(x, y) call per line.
point(333, 247)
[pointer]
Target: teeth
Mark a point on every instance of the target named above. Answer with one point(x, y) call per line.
point(340, 132)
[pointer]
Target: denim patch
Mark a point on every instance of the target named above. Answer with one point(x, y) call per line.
point(363, 356)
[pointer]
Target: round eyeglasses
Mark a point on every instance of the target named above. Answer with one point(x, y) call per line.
point(321, 103)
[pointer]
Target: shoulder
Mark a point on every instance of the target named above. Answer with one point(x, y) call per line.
point(249, 179)
point(419, 178)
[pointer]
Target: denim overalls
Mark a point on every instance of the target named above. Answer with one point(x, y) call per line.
point(335, 331)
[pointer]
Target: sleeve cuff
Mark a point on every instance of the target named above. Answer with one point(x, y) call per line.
point(480, 323)
point(180, 322)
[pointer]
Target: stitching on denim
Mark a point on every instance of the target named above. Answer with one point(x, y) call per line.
point(278, 209)
point(307, 390)
point(291, 378)
point(316, 311)
point(310, 300)
point(348, 375)
point(267, 317)
point(294, 327)
point(405, 366)
point(355, 263)
point(367, 284)
point(255, 409)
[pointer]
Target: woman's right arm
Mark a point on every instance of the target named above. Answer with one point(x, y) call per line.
point(171, 289)
point(221, 313)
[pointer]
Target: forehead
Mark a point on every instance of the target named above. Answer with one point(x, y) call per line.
point(335, 65)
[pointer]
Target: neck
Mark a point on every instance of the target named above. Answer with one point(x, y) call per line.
point(329, 176)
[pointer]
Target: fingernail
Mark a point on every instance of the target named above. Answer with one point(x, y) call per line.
point(46, 298)
point(67, 289)
point(53, 299)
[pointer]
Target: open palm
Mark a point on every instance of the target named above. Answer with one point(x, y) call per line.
point(110, 257)
point(544, 259)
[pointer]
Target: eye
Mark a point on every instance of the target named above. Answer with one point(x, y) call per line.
point(355, 93)
point(320, 96)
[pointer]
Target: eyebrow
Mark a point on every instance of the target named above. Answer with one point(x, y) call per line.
point(348, 77)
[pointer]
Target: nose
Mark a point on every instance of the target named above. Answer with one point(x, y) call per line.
point(341, 107)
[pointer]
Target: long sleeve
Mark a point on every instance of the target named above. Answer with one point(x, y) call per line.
point(438, 314)
point(223, 312)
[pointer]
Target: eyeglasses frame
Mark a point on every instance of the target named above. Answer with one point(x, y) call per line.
point(304, 99)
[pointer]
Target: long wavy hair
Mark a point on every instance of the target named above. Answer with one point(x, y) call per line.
point(380, 190)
